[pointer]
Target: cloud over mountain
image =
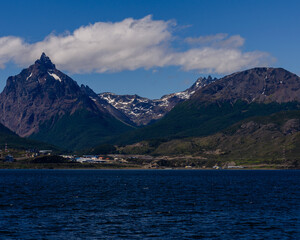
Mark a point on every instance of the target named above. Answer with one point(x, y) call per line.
point(131, 44)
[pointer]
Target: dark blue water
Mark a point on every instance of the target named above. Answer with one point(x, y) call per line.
point(104, 204)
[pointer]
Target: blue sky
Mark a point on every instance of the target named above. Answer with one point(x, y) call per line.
point(149, 48)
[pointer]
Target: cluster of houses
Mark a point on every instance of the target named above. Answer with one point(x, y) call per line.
point(93, 158)
point(36, 153)
point(228, 166)
point(8, 157)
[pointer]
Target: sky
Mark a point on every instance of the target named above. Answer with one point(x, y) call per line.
point(150, 48)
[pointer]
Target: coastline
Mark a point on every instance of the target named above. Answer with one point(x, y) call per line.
point(12, 167)
point(142, 163)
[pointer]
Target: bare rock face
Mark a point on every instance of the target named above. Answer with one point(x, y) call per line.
point(263, 85)
point(141, 111)
point(37, 94)
point(102, 103)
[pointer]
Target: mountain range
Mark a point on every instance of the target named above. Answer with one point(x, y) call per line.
point(142, 111)
point(44, 104)
point(255, 92)
point(251, 116)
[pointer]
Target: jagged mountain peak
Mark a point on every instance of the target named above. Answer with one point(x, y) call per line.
point(39, 93)
point(42, 72)
point(45, 62)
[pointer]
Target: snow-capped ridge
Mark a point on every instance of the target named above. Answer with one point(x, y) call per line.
point(142, 110)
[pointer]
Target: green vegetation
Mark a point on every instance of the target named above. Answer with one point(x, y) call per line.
point(265, 140)
point(140, 148)
point(102, 149)
point(79, 130)
point(256, 135)
point(15, 142)
point(190, 119)
point(50, 159)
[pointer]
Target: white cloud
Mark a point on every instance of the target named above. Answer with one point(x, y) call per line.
point(129, 45)
point(206, 39)
point(10, 48)
point(219, 40)
point(212, 60)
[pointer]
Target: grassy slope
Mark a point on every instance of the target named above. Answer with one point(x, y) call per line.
point(191, 119)
point(16, 142)
point(82, 129)
point(253, 140)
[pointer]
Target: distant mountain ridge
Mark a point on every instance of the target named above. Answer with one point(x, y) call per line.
point(142, 110)
point(224, 102)
point(263, 85)
point(106, 105)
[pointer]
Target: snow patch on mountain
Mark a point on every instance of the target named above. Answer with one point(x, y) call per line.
point(142, 110)
point(55, 76)
point(29, 76)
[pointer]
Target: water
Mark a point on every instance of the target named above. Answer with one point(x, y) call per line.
point(158, 204)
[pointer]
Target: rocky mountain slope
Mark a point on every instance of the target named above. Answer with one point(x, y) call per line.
point(102, 103)
point(255, 92)
point(261, 85)
point(41, 102)
point(45, 104)
point(142, 111)
point(37, 94)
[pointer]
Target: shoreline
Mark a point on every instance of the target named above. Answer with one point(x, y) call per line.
point(158, 169)
point(145, 165)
